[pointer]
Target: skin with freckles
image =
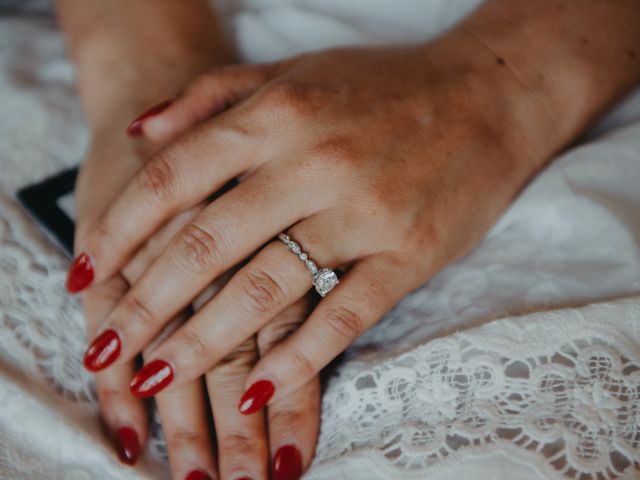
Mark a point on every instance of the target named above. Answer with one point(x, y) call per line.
point(387, 162)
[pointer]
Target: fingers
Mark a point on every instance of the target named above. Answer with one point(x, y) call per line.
point(242, 441)
point(226, 232)
point(210, 94)
point(295, 419)
point(364, 295)
point(183, 414)
point(156, 244)
point(124, 415)
point(271, 281)
point(294, 422)
point(173, 180)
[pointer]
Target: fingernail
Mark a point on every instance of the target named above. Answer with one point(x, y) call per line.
point(135, 128)
point(128, 445)
point(256, 397)
point(80, 274)
point(103, 351)
point(287, 464)
point(198, 475)
point(151, 378)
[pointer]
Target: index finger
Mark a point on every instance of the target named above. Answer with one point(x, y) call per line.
point(175, 179)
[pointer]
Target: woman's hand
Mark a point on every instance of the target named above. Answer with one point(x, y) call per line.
point(376, 159)
point(390, 163)
point(243, 442)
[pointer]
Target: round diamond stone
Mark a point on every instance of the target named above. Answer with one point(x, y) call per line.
point(325, 280)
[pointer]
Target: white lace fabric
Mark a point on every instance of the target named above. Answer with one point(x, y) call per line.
point(521, 361)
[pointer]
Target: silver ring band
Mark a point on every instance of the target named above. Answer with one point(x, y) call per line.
point(324, 279)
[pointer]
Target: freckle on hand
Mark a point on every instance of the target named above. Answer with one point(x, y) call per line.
point(500, 61)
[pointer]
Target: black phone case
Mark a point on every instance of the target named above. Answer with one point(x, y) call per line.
point(41, 203)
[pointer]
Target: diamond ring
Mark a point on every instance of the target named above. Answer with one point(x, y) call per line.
point(324, 279)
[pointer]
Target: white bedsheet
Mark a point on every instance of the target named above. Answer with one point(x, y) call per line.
point(521, 361)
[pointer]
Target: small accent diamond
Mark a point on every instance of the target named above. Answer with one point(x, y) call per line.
point(311, 266)
point(295, 248)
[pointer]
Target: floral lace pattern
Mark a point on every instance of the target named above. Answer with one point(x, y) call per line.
point(573, 399)
point(485, 371)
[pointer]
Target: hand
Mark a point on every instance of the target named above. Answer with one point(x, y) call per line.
point(243, 442)
point(386, 161)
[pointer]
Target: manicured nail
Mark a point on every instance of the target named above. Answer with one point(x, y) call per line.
point(256, 397)
point(128, 445)
point(103, 351)
point(287, 464)
point(80, 274)
point(135, 128)
point(198, 475)
point(151, 378)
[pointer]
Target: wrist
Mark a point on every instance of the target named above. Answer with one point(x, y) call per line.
point(545, 75)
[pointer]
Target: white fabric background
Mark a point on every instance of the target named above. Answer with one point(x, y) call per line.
point(521, 361)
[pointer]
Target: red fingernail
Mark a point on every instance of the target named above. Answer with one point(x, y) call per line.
point(135, 128)
point(103, 351)
point(151, 378)
point(198, 475)
point(287, 464)
point(128, 445)
point(256, 397)
point(80, 274)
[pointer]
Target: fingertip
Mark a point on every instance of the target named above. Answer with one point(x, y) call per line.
point(80, 274)
point(103, 351)
point(159, 128)
point(135, 128)
point(127, 445)
point(256, 397)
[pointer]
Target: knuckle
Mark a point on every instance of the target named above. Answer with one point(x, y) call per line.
point(238, 444)
point(301, 362)
point(289, 98)
point(158, 179)
point(199, 248)
point(245, 355)
point(345, 323)
point(263, 292)
point(288, 418)
point(195, 344)
point(110, 395)
point(139, 311)
point(271, 335)
point(186, 438)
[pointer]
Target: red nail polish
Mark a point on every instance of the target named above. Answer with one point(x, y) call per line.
point(198, 475)
point(103, 351)
point(151, 378)
point(256, 397)
point(80, 274)
point(128, 445)
point(135, 128)
point(287, 464)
